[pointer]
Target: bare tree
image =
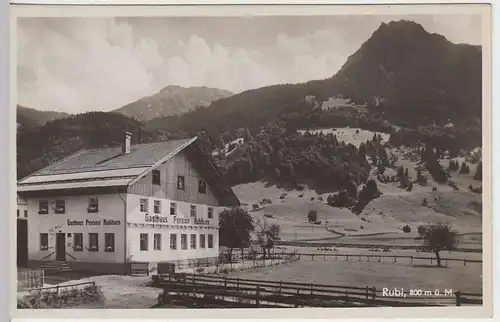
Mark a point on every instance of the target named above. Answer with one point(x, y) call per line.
point(267, 235)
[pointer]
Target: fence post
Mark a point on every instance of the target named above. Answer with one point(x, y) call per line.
point(411, 260)
point(457, 298)
point(194, 279)
point(335, 256)
point(225, 283)
point(57, 290)
point(312, 289)
point(298, 294)
point(312, 256)
point(465, 261)
point(367, 292)
point(324, 257)
point(346, 257)
point(346, 297)
point(379, 258)
point(394, 259)
point(257, 296)
point(279, 292)
point(374, 292)
point(238, 284)
point(359, 258)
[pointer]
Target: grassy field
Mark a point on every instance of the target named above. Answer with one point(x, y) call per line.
point(419, 275)
point(383, 217)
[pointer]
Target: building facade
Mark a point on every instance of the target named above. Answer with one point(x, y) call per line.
point(101, 209)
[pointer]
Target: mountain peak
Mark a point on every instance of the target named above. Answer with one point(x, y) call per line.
point(172, 100)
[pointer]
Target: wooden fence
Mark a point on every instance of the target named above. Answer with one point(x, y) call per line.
point(29, 279)
point(57, 288)
point(385, 258)
point(279, 293)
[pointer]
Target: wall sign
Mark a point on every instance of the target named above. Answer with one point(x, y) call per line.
point(87, 222)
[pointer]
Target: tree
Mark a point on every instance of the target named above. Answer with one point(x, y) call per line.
point(267, 235)
point(235, 226)
point(406, 229)
point(439, 237)
point(464, 169)
point(312, 216)
point(421, 230)
point(479, 172)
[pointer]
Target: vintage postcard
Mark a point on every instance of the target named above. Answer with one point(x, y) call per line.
point(291, 161)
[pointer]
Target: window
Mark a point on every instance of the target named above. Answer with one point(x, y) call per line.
point(202, 186)
point(157, 241)
point(17, 212)
point(44, 241)
point(193, 241)
point(26, 214)
point(78, 242)
point(156, 177)
point(43, 207)
point(184, 242)
point(60, 207)
point(157, 206)
point(173, 208)
point(210, 241)
point(93, 205)
point(210, 212)
point(144, 205)
point(180, 183)
point(93, 242)
point(144, 242)
point(173, 241)
point(193, 211)
point(202, 241)
point(109, 242)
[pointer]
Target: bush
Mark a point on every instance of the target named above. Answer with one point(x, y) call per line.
point(406, 229)
point(255, 206)
point(421, 230)
point(312, 216)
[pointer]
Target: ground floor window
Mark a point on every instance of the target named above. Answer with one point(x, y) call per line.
point(193, 241)
point(44, 241)
point(184, 242)
point(109, 239)
point(202, 241)
point(93, 242)
point(173, 241)
point(157, 241)
point(78, 242)
point(144, 242)
point(210, 241)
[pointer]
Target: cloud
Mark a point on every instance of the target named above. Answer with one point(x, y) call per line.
point(76, 65)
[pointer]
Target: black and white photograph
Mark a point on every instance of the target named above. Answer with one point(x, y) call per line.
point(254, 160)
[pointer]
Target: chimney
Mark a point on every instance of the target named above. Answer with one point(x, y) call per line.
point(126, 144)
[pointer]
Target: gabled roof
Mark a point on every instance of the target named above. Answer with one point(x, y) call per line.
point(109, 167)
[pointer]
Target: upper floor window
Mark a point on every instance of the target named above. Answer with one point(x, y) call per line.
point(210, 240)
point(60, 207)
point(173, 208)
point(144, 205)
point(181, 183)
point(43, 207)
point(210, 212)
point(202, 186)
point(157, 206)
point(193, 211)
point(93, 205)
point(173, 241)
point(156, 177)
point(26, 214)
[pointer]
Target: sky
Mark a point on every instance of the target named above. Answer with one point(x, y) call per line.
point(76, 65)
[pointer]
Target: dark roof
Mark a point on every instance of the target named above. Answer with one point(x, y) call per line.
point(141, 155)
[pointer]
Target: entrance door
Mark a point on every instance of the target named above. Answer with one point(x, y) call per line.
point(22, 243)
point(61, 247)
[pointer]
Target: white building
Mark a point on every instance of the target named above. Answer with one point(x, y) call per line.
point(101, 209)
